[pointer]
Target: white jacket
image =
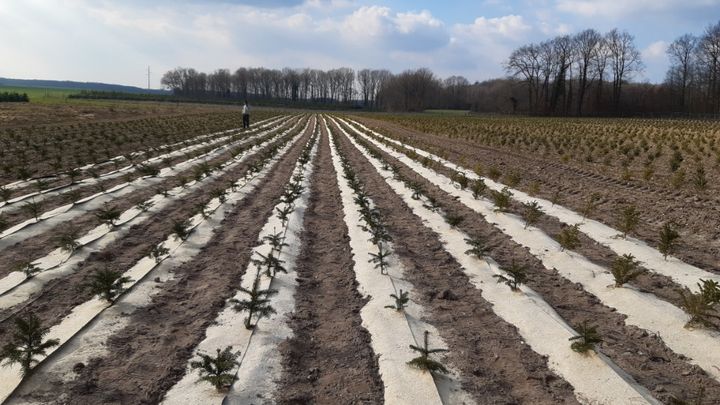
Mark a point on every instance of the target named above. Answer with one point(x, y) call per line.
point(246, 109)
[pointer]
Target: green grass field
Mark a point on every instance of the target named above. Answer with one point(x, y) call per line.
point(42, 95)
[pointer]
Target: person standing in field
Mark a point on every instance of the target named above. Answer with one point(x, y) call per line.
point(246, 115)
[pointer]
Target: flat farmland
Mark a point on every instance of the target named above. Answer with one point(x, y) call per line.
point(359, 259)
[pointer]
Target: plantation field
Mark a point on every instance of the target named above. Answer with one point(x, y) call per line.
point(41, 95)
point(436, 258)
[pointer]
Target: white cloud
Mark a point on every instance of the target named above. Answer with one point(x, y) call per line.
point(509, 26)
point(655, 51)
point(621, 8)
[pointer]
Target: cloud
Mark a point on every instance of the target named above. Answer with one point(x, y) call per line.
point(655, 51)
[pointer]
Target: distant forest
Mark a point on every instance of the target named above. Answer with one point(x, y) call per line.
point(586, 74)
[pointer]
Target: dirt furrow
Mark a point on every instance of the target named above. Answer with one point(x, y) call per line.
point(495, 365)
point(329, 359)
point(643, 355)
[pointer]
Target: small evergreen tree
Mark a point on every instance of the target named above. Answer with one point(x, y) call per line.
point(28, 268)
point(67, 239)
point(27, 343)
point(517, 275)
point(108, 215)
point(258, 303)
point(531, 213)
point(158, 251)
point(629, 220)
point(478, 188)
point(478, 247)
point(401, 300)
point(502, 199)
point(668, 239)
point(586, 340)
point(217, 370)
point(700, 309)
point(625, 269)
point(181, 229)
point(424, 362)
point(108, 284)
point(569, 237)
point(380, 259)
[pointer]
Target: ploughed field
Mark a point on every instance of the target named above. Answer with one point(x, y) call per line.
point(333, 259)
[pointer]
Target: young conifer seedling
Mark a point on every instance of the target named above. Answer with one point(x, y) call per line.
point(701, 310)
point(478, 188)
point(569, 237)
point(453, 220)
point(668, 239)
point(217, 370)
point(501, 199)
point(144, 206)
point(108, 215)
point(108, 284)
point(401, 300)
point(181, 229)
point(517, 275)
point(284, 214)
point(625, 269)
point(158, 251)
point(28, 268)
point(478, 247)
point(586, 340)
point(424, 362)
point(27, 344)
point(276, 240)
point(629, 220)
point(257, 304)
point(33, 208)
point(380, 259)
point(531, 213)
point(272, 264)
point(710, 290)
point(67, 240)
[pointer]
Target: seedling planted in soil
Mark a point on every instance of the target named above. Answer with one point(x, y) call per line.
point(108, 284)
point(258, 303)
point(28, 268)
point(108, 215)
point(501, 199)
point(699, 307)
point(27, 344)
point(586, 340)
point(380, 259)
point(158, 251)
point(531, 213)
point(424, 362)
point(217, 370)
point(668, 239)
point(569, 237)
point(625, 269)
point(181, 229)
point(67, 240)
point(401, 301)
point(629, 220)
point(517, 275)
point(479, 248)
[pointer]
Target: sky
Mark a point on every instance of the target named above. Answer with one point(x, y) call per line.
point(114, 41)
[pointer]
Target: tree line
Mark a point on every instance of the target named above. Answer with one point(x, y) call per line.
point(588, 73)
point(14, 97)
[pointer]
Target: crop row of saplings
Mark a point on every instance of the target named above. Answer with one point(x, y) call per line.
point(28, 345)
point(141, 162)
point(670, 154)
point(375, 225)
point(602, 199)
point(221, 369)
point(213, 154)
point(700, 305)
point(43, 150)
point(68, 236)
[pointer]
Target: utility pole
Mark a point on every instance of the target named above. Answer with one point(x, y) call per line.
point(148, 75)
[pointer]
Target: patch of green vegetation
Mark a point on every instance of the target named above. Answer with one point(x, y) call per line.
point(42, 95)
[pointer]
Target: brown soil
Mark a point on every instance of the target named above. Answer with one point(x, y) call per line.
point(329, 359)
point(59, 296)
point(151, 354)
point(645, 357)
point(698, 216)
point(495, 366)
point(44, 243)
